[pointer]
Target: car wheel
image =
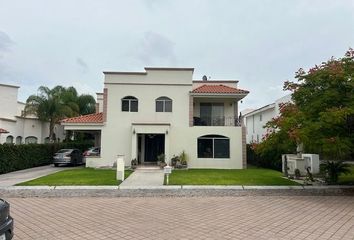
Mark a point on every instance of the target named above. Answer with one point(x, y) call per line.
point(56, 165)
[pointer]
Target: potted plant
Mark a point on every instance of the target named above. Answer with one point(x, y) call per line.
point(183, 160)
point(175, 161)
point(161, 160)
point(134, 163)
point(297, 173)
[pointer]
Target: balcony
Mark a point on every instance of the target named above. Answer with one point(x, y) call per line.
point(216, 121)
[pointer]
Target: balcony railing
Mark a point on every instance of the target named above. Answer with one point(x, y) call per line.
point(216, 121)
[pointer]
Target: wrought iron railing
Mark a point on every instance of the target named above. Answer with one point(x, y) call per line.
point(216, 121)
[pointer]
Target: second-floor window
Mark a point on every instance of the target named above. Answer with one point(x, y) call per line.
point(212, 114)
point(130, 104)
point(163, 104)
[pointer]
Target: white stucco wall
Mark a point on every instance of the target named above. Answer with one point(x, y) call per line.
point(8, 101)
point(11, 120)
point(254, 126)
point(120, 131)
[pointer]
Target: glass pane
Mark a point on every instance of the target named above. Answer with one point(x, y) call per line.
point(168, 106)
point(125, 105)
point(221, 148)
point(9, 139)
point(218, 114)
point(133, 106)
point(205, 114)
point(18, 140)
point(159, 106)
point(205, 148)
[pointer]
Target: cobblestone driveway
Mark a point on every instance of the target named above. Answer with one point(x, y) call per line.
point(251, 217)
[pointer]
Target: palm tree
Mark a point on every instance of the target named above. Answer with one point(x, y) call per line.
point(53, 105)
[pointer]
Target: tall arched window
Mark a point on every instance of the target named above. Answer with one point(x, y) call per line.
point(130, 104)
point(163, 104)
point(31, 139)
point(213, 146)
point(18, 140)
point(10, 139)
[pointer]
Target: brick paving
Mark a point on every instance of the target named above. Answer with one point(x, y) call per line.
point(247, 217)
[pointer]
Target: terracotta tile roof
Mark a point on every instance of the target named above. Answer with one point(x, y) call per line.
point(3, 130)
point(218, 89)
point(89, 118)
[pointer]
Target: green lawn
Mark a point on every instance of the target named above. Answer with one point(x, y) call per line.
point(347, 179)
point(251, 176)
point(80, 176)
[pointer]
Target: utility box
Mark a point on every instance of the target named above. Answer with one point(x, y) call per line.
point(312, 161)
point(302, 163)
point(293, 163)
point(120, 167)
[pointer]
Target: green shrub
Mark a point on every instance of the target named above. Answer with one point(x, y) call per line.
point(17, 157)
point(333, 169)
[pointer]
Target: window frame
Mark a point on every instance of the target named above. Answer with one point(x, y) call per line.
point(10, 137)
point(213, 138)
point(130, 99)
point(19, 138)
point(164, 100)
point(31, 137)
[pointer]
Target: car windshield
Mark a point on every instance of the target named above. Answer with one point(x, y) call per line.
point(64, 150)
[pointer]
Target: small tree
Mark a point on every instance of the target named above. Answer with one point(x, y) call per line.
point(324, 98)
point(323, 101)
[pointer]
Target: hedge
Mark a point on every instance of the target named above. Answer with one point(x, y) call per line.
point(271, 160)
point(17, 157)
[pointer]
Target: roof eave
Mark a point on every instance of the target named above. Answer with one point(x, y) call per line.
point(83, 124)
point(261, 109)
point(238, 95)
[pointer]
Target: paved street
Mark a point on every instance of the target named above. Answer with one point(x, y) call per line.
point(249, 217)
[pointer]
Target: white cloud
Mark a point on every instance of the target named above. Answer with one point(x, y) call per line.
point(261, 44)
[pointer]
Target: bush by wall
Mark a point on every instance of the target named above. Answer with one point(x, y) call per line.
point(268, 159)
point(17, 157)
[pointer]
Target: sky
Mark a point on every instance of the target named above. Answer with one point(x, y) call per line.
point(260, 43)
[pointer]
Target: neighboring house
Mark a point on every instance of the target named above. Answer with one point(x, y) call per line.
point(163, 111)
point(256, 119)
point(17, 129)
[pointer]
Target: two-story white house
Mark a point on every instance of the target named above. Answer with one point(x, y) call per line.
point(15, 128)
point(256, 119)
point(163, 111)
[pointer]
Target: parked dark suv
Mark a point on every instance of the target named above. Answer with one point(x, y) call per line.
point(6, 221)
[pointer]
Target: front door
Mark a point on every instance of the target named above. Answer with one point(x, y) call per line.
point(154, 146)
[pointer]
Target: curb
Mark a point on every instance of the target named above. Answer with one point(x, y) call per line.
point(174, 187)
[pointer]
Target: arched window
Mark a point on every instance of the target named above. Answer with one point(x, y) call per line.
point(46, 140)
point(10, 139)
point(18, 140)
point(130, 104)
point(213, 146)
point(31, 139)
point(163, 104)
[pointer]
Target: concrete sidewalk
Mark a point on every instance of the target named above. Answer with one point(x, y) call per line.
point(13, 178)
point(144, 177)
